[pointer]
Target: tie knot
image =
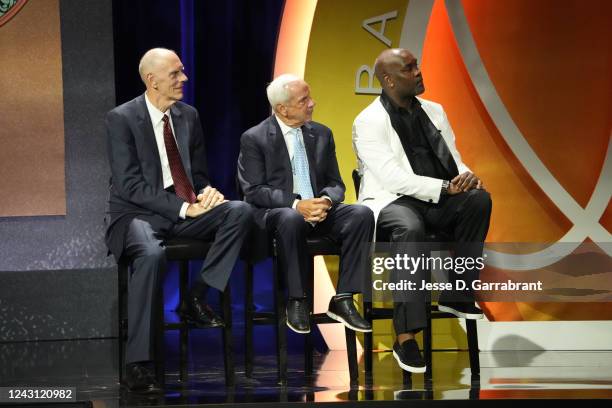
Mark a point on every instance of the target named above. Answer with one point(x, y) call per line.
point(165, 118)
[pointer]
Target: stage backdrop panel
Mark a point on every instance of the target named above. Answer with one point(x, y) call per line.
point(32, 135)
point(55, 278)
point(526, 87)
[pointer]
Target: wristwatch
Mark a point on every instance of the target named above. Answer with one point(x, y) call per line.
point(445, 185)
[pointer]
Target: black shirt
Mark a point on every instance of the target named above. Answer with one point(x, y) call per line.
point(411, 128)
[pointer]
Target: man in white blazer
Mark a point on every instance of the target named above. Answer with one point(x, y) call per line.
point(414, 180)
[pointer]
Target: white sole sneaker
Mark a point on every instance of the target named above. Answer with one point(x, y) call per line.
point(341, 320)
point(468, 316)
point(406, 367)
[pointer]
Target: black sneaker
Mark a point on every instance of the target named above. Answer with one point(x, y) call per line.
point(342, 309)
point(408, 356)
point(464, 310)
point(298, 315)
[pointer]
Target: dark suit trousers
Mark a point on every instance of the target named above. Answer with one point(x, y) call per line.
point(228, 224)
point(465, 215)
point(350, 225)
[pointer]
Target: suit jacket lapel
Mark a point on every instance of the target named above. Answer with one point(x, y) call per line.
point(438, 144)
point(310, 145)
point(280, 147)
point(146, 127)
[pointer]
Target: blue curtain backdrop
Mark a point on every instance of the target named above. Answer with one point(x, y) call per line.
point(227, 48)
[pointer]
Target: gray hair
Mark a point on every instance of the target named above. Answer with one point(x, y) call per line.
point(278, 90)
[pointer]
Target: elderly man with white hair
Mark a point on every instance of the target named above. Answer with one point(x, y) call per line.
point(288, 172)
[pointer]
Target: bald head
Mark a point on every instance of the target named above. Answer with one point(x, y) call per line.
point(398, 73)
point(151, 61)
point(163, 74)
point(386, 61)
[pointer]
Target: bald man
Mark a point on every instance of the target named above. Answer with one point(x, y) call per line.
point(159, 190)
point(414, 180)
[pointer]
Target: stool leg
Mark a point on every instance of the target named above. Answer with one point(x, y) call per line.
point(228, 357)
point(184, 330)
point(248, 320)
point(407, 379)
point(122, 276)
point(308, 346)
point(351, 351)
point(427, 347)
point(281, 322)
point(472, 337)
point(368, 339)
point(159, 328)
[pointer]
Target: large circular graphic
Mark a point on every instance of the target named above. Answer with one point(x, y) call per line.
point(526, 86)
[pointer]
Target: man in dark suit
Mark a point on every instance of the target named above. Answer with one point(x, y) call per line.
point(288, 171)
point(158, 162)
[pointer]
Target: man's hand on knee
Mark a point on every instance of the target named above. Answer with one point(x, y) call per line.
point(313, 209)
point(464, 182)
point(210, 198)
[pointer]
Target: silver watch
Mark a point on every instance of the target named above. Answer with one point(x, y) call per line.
point(445, 185)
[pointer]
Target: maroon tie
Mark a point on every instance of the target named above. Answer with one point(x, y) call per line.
point(182, 186)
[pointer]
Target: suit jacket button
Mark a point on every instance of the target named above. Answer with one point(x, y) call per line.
point(430, 200)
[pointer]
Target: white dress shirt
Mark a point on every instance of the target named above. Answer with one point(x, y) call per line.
point(158, 128)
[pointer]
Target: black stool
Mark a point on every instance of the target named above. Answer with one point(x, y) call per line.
point(182, 250)
point(316, 246)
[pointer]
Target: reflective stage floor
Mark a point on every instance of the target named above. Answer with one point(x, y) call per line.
point(91, 366)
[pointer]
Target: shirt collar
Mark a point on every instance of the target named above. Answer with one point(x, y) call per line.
point(155, 114)
point(390, 105)
point(283, 126)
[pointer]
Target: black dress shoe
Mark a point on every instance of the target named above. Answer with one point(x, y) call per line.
point(408, 356)
point(199, 314)
point(298, 316)
point(139, 379)
point(342, 309)
point(464, 310)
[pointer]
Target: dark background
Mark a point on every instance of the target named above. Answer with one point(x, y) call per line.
point(227, 48)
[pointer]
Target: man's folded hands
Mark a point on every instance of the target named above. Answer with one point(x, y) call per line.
point(208, 199)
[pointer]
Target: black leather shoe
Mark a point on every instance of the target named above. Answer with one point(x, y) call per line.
point(298, 316)
point(408, 356)
point(464, 310)
point(139, 379)
point(193, 311)
point(342, 309)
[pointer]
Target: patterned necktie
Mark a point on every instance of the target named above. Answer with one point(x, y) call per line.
point(300, 167)
point(182, 186)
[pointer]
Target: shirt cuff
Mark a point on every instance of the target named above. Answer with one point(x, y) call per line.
point(183, 212)
point(331, 203)
point(294, 206)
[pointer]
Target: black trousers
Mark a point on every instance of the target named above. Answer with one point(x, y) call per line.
point(465, 216)
point(228, 224)
point(350, 225)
